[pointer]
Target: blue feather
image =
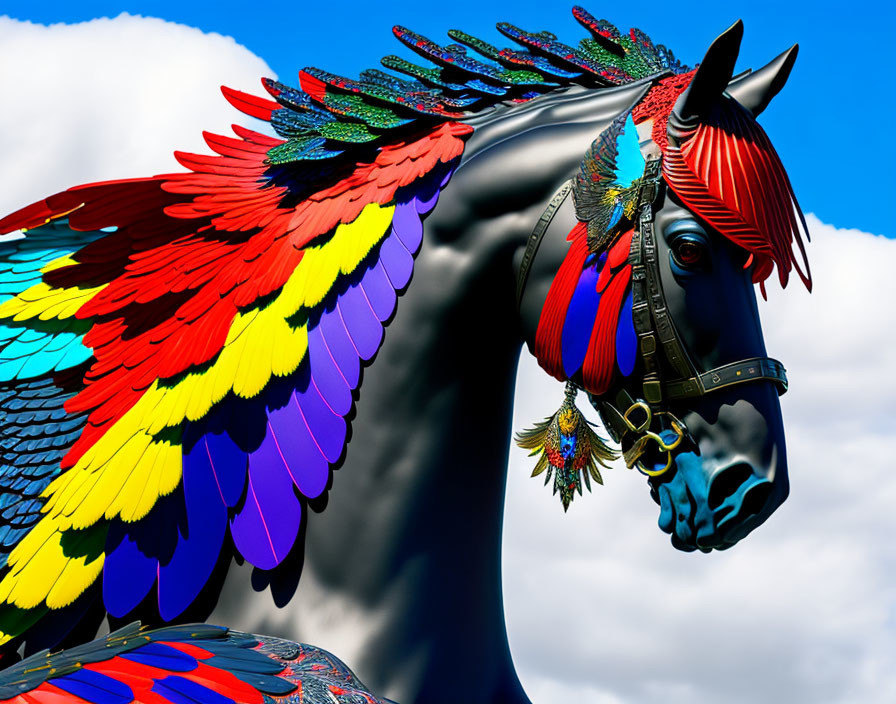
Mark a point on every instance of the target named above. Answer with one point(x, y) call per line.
point(198, 544)
point(95, 687)
point(178, 690)
point(626, 339)
point(163, 657)
point(580, 316)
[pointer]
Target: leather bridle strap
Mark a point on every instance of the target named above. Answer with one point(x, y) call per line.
point(537, 235)
point(753, 369)
point(656, 330)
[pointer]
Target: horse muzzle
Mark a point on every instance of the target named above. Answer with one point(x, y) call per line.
point(705, 508)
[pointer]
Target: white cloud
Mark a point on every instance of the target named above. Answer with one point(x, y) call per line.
point(110, 98)
point(804, 610)
point(600, 608)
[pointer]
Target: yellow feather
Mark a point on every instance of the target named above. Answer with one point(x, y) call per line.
point(200, 402)
point(51, 566)
point(26, 549)
point(67, 307)
point(341, 254)
point(76, 576)
point(58, 264)
point(62, 489)
point(45, 302)
point(163, 467)
point(78, 493)
point(132, 500)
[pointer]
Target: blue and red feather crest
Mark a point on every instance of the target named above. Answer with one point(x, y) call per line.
point(586, 333)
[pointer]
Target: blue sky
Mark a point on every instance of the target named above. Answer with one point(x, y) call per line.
point(832, 125)
point(802, 611)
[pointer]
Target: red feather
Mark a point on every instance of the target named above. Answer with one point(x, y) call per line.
point(619, 251)
point(192, 249)
point(550, 325)
point(250, 104)
point(728, 172)
point(314, 87)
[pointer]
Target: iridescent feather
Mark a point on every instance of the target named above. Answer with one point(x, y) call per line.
point(605, 190)
point(568, 448)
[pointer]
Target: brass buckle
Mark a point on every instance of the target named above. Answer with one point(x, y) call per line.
point(645, 425)
point(633, 455)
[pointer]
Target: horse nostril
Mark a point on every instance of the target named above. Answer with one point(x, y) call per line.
point(756, 498)
point(726, 482)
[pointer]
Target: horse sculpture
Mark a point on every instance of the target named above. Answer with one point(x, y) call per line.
point(183, 357)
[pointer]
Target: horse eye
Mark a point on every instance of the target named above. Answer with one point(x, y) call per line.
point(689, 253)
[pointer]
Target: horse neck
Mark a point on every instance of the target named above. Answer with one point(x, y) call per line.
point(402, 570)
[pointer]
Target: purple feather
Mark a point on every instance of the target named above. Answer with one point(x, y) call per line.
point(579, 322)
point(424, 206)
point(290, 442)
point(379, 292)
point(397, 261)
point(329, 380)
point(182, 576)
point(326, 427)
point(427, 191)
point(364, 329)
point(340, 346)
point(266, 527)
point(407, 225)
point(449, 172)
point(626, 338)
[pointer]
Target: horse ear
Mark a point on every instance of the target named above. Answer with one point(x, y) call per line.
point(756, 90)
point(712, 77)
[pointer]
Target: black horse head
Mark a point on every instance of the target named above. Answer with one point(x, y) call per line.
point(682, 205)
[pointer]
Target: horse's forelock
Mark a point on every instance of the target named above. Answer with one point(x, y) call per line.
point(727, 171)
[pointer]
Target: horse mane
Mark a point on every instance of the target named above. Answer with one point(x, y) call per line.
point(331, 117)
point(727, 171)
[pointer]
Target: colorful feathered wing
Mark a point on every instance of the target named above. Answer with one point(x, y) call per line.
point(178, 353)
point(193, 664)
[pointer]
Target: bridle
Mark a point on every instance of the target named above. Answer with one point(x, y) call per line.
point(668, 371)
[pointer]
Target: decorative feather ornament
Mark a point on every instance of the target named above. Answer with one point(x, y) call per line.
point(605, 190)
point(566, 443)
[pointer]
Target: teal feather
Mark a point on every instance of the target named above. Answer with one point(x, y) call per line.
point(32, 348)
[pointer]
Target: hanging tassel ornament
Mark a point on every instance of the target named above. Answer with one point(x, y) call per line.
point(568, 448)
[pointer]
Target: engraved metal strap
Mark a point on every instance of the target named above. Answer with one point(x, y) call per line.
point(754, 369)
point(647, 292)
point(535, 238)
